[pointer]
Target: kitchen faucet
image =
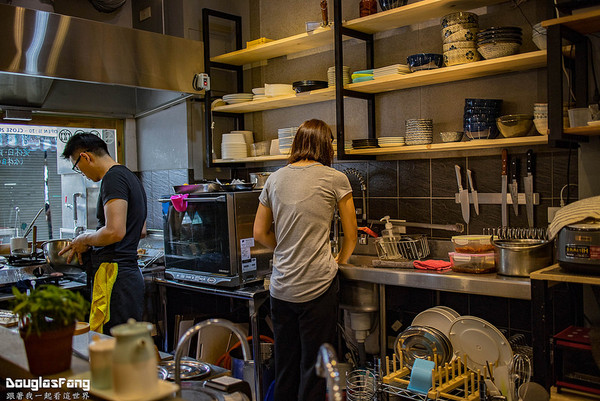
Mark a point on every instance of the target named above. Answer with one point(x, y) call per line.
point(362, 239)
point(327, 368)
point(78, 229)
point(190, 332)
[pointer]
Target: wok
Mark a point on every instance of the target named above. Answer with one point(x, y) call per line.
point(59, 263)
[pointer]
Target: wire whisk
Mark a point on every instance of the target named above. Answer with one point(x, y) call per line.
point(520, 373)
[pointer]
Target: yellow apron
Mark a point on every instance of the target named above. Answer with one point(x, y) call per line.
point(104, 279)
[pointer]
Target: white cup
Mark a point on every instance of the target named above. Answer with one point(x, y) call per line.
point(19, 245)
point(101, 361)
point(274, 150)
point(579, 117)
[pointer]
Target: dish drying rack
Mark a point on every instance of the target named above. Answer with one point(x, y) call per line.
point(516, 232)
point(402, 248)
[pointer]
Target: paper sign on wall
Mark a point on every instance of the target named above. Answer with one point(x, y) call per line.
point(245, 245)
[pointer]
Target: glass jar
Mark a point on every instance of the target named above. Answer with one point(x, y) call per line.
point(367, 7)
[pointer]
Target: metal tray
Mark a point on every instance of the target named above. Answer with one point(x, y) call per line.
point(247, 186)
point(197, 188)
point(190, 369)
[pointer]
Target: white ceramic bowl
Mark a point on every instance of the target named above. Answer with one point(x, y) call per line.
point(233, 138)
point(541, 125)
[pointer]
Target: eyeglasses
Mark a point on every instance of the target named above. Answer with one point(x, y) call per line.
point(75, 168)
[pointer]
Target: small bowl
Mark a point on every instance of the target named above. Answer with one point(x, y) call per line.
point(460, 56)
point(496, 103)
point(463, 44)
point(451, 136)
point(449, 30)
point(458, 17)
point(462, 35)
point(541, 125)
point(389, 4)
point(424, 61)
point(477, 130)
point(497, 49)
point(514, 125)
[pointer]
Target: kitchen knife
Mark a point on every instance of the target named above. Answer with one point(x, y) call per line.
point(528, 182)
point(504, 189)
point(514, 185)
point(463, 196)
point(473, 192)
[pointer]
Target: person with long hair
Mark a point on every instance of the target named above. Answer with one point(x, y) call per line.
point(294, 217)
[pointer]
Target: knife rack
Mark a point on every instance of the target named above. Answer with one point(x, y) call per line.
point(495, 198)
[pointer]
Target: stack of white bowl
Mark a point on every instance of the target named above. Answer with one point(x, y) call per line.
point(459, 31)
point(233, 146)
point(248, 137)
point(273, 90)
point(258, 93)
point(390, 141)
point(540, 117)
point(237, 98)
point(419, 131)
point(345, 75)
point(286, 137)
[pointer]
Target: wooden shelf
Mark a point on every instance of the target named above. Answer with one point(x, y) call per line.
point(278, 102)
point(556, 273)
point(293, 44)
point(252, 159)
point(589, 131)
point(501, 65)
point(583, 23)
point(414, 13)
point(382, 21)
point(455, 146)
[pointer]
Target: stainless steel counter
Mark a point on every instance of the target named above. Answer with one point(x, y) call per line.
point(482, 284)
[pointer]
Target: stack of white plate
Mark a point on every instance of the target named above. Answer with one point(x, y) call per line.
point(345, 75)
point(233, 146)
point(391, 69)
point(419, 131)
point(273, 90)
point(286, 137)
point(390, 141)
point(258, 93)
point(237, 98)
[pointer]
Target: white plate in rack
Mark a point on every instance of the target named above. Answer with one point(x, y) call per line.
point(436, 318)
point(477, 341)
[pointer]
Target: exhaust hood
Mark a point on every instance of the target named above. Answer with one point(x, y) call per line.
point(57, 63)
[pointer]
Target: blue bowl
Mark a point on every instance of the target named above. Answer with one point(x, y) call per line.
point(424, 61)
point(496, 103)
point(389, 4)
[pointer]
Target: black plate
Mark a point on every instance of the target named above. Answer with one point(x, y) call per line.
point(309, 85)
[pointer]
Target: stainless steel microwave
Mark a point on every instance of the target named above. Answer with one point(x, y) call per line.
point(210, 240)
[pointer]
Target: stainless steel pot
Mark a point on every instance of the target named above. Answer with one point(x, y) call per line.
point(259, 179)
point(59, 263)
point(519, 257)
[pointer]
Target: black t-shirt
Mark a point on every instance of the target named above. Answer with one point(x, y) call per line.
point(120, 183)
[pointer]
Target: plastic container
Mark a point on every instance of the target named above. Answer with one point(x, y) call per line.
point(472, 263)
point(473, 244)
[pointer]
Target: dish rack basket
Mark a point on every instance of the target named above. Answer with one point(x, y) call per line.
point(414, 247)
point(516, 232)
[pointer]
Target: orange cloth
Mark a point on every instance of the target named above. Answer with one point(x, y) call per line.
point(104, 279)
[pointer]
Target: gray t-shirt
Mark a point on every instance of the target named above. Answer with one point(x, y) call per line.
point(303, 199)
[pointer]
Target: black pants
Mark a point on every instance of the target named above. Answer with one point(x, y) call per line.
point(299, 330)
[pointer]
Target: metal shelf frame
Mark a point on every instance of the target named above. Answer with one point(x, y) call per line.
point(338, 32)
point(208, 65)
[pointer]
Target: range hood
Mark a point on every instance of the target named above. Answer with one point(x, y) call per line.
point(57, 63)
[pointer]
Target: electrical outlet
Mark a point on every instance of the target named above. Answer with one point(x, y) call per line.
point(551, 212)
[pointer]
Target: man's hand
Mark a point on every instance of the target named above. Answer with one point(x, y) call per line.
point(76, 247)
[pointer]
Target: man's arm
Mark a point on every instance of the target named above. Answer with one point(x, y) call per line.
point(115, 213)
point(263, 224)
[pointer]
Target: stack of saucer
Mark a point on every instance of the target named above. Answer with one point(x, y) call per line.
point(233, 146)
point(259, 93)
point(274, 90)
point(364, 143)
point(390, 70)
point(286, 137)
point(391, 141)
point(345, 75)
point(237, 98)
point(419, 131)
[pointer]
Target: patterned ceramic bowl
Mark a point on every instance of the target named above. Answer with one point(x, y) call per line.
point(451, 136)
point(460, 56)
point(463, 44)
point(449, 30)
point(463, 34)
point(498, 49)
point(458, 17)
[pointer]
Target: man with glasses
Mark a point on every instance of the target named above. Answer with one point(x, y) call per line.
point(118, 288)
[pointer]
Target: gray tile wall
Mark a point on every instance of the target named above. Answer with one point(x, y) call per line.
point(159, 184)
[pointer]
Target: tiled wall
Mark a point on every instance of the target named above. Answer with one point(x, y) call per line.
point(159, 184)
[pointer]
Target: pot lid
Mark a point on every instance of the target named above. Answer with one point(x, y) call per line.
point(586, 225)
point(131, 328)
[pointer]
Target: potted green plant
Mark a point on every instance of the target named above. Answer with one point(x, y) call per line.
point(47, 317)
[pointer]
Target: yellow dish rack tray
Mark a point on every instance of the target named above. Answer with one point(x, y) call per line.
point(451, 382)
